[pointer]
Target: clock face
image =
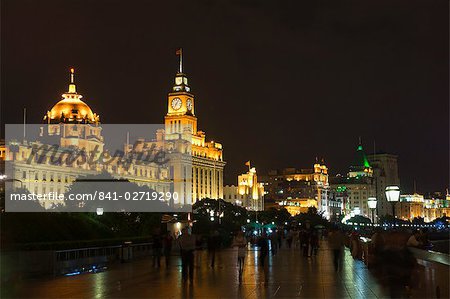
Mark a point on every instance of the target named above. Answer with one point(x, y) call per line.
point(176, 103)
point(189, 104)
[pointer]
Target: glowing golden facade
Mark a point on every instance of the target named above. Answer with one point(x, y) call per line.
point(207, 156)
point(71, 108)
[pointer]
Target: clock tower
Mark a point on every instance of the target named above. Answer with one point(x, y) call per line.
point(180, 116)
point(201, 176)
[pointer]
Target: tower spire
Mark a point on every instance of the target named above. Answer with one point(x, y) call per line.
point(181, 81)
point(72, 87)
point(180, 53)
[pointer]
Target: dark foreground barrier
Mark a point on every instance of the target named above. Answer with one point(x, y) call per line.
point(431, 276)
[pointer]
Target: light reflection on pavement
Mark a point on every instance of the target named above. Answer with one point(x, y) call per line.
point(289, 276)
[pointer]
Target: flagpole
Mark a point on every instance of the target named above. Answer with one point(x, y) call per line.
point(24, 123)
point(181, 60)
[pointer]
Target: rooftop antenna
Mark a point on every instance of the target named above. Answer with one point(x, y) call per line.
point(415, 187)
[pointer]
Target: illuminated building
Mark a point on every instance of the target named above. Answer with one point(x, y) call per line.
point(201, 174)
point(436, 208)
point(72, 124)
point(410, 206)
point(207, 156)
point(248, 193)
point(385, 173)
point(299, 189)
point(354, 189)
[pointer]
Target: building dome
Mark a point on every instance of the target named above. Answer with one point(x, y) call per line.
point(71, 108)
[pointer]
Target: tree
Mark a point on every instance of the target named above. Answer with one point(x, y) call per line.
point(313, 217)
point(359, 219)
point(208, 211)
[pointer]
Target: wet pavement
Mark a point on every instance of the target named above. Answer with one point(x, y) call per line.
point(289, 275)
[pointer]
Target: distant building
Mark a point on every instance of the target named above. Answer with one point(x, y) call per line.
point(410, 206)
point(74, 125)
point(207, 156)
point(385, 169)
point(299, 189)
point(354, 189)
point(436, 208)
point(249, 193)
point(71, 124)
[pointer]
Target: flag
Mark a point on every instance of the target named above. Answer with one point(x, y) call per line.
point(247, 163)
point(179, 51)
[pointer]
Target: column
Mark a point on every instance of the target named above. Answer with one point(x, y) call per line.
point(194, 184)
point(220, 183)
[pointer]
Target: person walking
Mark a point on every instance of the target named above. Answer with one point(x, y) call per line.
point(157, 248)
point(304, 236)
point(240, 242)
point(167, 248)
point(280, 238)
point(314, 240)
point(263, 244)
point(273, 242)
point(289, 238)
point(336, 243)
point(213, 245)
point(187, 243)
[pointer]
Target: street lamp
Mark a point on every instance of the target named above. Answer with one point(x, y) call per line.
point(372, 203)
point(393, 195)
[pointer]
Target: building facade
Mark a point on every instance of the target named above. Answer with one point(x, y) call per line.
point(385, 173)
point(410, 206)
point(72, 126)
point(354, 189)
point(299, 189)
point(207, 164)
point(194, 170)
point(248, 193)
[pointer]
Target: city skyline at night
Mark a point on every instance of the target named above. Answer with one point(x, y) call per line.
point(290, 102)
point(224, 149)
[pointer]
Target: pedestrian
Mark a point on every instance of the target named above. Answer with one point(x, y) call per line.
point(355, 246)
point(304, 236)
point(187, 243)
point(280, 238)
point(240, 242)
point(213, 245)
point(157, 247)
point(263, 251)
point(336, 243)
point(314, 242)
point(273, 242)
point(289, 238)
point(167, 245)
point(263, 248)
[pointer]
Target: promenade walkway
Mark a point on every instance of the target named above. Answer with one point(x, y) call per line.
point(289, 276)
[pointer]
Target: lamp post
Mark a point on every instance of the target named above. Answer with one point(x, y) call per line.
point(392, 195)
point(372, 203)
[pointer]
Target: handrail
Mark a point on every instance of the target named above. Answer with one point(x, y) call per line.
point(431, 256)
point(422, 254)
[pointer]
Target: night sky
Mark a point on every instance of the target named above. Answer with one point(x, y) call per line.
point(277, 82)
